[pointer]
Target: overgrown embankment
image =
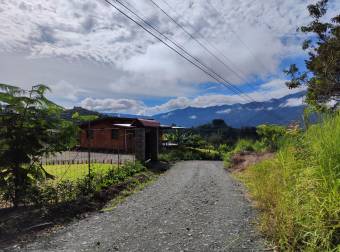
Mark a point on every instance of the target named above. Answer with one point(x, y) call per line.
point(298, 191)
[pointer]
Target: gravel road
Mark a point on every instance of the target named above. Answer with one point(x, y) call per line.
point(195, 206)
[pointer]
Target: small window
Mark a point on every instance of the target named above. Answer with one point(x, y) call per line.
point(114, 133)
point(89, 134)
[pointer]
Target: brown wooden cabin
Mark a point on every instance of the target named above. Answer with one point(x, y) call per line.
point(123, 135)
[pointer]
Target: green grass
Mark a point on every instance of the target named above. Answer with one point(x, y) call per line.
point(74, 172)
point(298, 192)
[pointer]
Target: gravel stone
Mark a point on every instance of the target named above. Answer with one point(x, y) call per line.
point(194, 206)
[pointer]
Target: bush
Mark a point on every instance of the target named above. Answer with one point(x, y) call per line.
point(49, 193)
point(299, 190)
point(189, 154)
point(271, 135)
point(244, 145)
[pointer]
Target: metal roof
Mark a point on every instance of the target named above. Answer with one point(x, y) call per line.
point(147, 123)
point(124, 125)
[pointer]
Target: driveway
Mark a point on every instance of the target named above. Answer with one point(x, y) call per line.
point(195, 206)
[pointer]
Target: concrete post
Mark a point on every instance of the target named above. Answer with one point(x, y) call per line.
point(140, 144)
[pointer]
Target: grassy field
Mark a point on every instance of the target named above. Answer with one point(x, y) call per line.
point(76, 171)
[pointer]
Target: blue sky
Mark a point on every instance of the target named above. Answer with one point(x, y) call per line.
point(91, 56)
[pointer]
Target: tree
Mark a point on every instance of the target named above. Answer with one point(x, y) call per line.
point(322, 77)
point(218, 123)
point(30, 127)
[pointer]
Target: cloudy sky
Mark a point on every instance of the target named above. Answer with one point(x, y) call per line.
point(92, 56)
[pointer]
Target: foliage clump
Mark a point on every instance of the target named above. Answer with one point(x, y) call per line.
point(271, 136)
point(269, 139)
point(30, 127)
point(50, 193)
point(186, 153)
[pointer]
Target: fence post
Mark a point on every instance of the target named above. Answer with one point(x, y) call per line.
point(118, 157)
point(89, 153)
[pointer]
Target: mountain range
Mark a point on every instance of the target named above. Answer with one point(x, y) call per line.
point(275, 111)
point(281, 111)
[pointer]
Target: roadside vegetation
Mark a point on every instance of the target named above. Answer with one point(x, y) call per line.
point(270, 137)
point(298, 192)
point(74, 188)
point(188, 153)
point(206, 142)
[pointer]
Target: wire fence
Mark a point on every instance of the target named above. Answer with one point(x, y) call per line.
point(97, 153)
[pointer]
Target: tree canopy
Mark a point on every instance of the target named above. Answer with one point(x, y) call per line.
point(322, 77)
point(30, 127)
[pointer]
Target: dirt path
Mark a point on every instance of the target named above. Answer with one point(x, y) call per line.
point(195, 206)
point(242, 161)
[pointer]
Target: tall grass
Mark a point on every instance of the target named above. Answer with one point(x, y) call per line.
point(298, 192)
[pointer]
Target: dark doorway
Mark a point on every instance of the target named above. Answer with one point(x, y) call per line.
point(148, 142)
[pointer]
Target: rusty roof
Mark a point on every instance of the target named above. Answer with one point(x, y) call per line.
point(147, 123)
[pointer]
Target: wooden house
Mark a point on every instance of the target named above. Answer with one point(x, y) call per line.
point(122, 135)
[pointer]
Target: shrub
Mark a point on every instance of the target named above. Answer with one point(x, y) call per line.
point(189, 154)
point(243, 145)
point(49, 193)
point(271, 135)
point(299, 191)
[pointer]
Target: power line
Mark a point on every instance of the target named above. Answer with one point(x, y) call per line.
point(201, 44)
point(192, 36)
point(226, 83)
point(244, 78)
point(210, 44)
point(257, 59)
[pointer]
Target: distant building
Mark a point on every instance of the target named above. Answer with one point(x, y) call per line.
point(125, 135)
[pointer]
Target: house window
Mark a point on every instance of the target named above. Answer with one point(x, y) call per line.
point(89, 134)
point(114, 133)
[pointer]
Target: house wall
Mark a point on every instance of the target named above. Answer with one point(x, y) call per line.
point(140, 144)
point(102, 138)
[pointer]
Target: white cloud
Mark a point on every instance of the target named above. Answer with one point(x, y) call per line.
point(129, 63)
point(90, 54)
point(113, 105)
point(193, 117)
point(66, 90)
point(225, 111)
point(277, 89)
point(167, 115)
point(138, 107)
point(293, 102)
